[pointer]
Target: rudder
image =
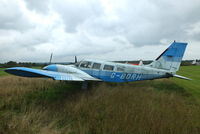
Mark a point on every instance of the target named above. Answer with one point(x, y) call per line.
point(171, 58)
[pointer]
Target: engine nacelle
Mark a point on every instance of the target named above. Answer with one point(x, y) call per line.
point(64, 69)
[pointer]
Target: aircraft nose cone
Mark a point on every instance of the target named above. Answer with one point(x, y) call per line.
point(51, 68)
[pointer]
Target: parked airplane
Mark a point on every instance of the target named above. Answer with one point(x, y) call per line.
point(195, 62)
point(139, 64)
point(164, 66)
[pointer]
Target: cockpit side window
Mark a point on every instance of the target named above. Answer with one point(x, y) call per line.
point(96, 66)
point(108, 67)
point(89, 65)
point(86, 64)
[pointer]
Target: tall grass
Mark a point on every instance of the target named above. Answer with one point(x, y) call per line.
point(44, 106)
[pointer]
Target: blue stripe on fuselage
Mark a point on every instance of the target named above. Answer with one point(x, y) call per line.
point(110, 76)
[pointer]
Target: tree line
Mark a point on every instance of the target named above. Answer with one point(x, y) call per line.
point(21, 64)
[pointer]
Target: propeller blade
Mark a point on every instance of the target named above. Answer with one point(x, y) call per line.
point(50, 58)
point(75, 59)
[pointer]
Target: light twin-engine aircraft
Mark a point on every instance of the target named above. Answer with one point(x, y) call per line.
point(164, 66)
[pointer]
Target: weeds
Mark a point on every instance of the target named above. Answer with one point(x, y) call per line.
point(45, 106)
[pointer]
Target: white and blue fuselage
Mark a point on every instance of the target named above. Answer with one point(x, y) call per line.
point(111, 71)
point(164, 66)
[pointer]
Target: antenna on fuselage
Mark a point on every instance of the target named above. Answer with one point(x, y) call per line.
point(50, 58)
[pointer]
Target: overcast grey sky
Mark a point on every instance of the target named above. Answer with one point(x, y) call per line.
point(105, 29)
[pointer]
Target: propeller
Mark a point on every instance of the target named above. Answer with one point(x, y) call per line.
point(75, 60)
point(50, 58)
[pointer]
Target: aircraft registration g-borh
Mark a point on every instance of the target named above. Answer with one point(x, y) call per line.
point(164, 66)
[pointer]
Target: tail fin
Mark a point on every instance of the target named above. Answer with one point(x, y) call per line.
point(171, 58)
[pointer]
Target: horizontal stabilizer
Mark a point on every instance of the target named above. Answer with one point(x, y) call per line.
point(181, 77)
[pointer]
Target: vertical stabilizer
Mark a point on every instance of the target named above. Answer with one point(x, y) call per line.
point(171, 58)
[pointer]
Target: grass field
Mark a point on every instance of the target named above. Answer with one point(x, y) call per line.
point(2, 73)
point(193, 86)
point(166, 106)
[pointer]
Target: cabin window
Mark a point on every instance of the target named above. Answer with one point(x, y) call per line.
point(96, 66)
point(120, 69)
point(108, 67)
point(86, 64)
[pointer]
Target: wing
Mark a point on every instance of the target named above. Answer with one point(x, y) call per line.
point(29, 72)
